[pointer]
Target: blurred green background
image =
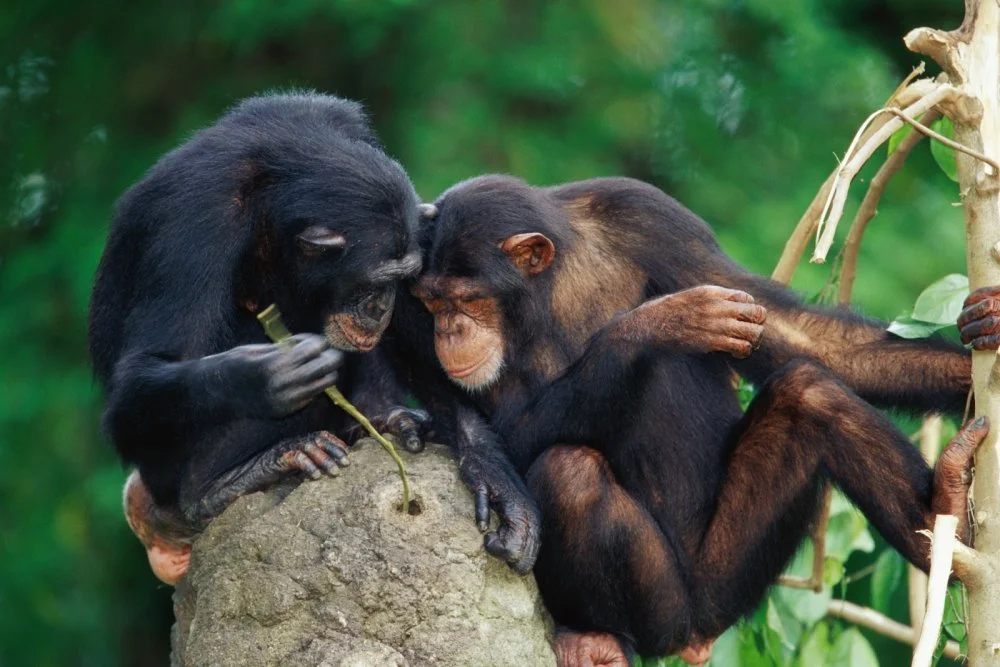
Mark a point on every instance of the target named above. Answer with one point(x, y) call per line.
point(736, 107)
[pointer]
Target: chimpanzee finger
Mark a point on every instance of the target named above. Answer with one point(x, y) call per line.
point(737, 347)
point(335, 447)
point(307, 392)
point(307, 346)
point(409, 433)
point(977, 311)
point(975, 296)
point(752, 333)
point(504, 545)
point(516, 543)
point(980, 327)
point(986, 342)
point(323, 461)
point(482, 508)
point(738, 296)
point(299, 461)
point(748, 312)
point(327, 362)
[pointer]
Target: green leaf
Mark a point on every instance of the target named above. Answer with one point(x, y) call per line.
point(952, 624)
point(942, 301)
point(817, 647)
point(833, 571)
point(943, 155)
point(907, 327)
point(888, 573)
point(852, 650)
point(898, 136)
point(847, 532)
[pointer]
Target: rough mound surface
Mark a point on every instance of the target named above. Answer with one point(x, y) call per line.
point(332, 573)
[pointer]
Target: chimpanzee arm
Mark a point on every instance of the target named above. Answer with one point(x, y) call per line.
point(884, 369)
point(614, 367)
point(481, 455)
point(168, 398)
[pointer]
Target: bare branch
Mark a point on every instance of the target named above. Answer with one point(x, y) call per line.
point(795, 247)
point(857, 155)
point(814, 581)
point(942, 548)
point(869, 208)
point(923, 129)
point(930, 443)
point(882, 624)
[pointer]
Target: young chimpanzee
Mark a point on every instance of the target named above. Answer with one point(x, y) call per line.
point(287, 199)
point(598, 326)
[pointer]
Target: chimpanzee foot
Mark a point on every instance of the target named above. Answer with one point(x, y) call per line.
point(697, 652)
point(953, 474)
point(164, 533)
point(979, 321)
point(313, 455)
point(588, 649)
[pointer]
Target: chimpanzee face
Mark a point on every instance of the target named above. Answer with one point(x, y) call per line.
point(343, 226)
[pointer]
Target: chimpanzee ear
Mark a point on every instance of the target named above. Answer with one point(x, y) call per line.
point(531, 253)
point(318, 238)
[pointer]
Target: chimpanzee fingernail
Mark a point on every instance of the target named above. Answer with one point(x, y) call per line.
point(980, 421)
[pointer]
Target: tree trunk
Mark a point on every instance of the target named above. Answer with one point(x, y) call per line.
point(971, 58)
point(331, 573)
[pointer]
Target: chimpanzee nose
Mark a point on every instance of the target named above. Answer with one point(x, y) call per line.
point(378, 304)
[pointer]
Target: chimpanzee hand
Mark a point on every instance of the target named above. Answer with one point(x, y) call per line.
point(701, 319)
point(517, 537)
point(979, 322)
point(408, 425)
point(273, 380)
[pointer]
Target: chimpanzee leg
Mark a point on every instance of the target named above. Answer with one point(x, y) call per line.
point(604, 565)
point(804, 426)
point(164, 533)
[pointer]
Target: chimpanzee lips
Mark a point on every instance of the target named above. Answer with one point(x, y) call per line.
point(344, 334)
point(465, 371)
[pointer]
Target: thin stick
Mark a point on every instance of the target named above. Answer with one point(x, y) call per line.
point(856, 159)
point(270, 319)
point(815, 580)
point(882, 624)
point(930, 443)
point(942, 546)
point(869, 207)
point(795, 247)
point(950, 143)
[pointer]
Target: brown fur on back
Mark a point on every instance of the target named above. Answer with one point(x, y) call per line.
point(594, 281)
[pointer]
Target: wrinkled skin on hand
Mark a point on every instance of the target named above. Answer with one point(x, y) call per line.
point(409, 426)
point(979, 321)
point(588, 649)
point(701, 319)
point(274, 380)
point(953, 475)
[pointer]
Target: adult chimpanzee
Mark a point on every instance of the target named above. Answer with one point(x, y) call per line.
point(287, 199)
point(667, 512)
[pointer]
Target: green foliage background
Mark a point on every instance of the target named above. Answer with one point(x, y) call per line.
point(737, 107)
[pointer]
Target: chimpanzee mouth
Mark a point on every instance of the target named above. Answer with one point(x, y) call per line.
point(344, 334)
point(477, 376)
point(460, 373)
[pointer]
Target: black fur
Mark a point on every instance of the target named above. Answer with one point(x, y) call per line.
point(642, 500)
point(206, 238)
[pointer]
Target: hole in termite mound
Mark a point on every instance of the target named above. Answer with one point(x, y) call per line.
point(416, 507)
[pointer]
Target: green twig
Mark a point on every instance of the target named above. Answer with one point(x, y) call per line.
point(270, 319)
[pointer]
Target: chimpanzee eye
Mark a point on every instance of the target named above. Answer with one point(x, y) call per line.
point(318, 239)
